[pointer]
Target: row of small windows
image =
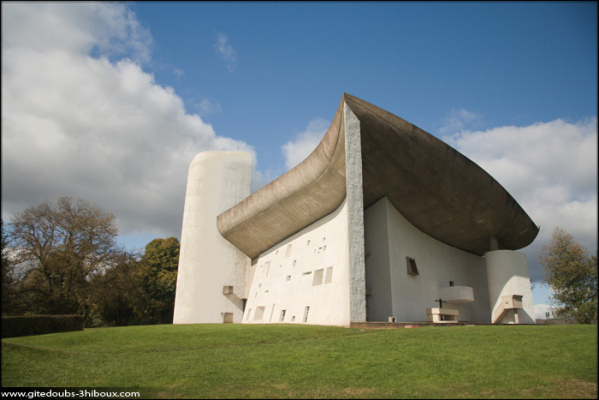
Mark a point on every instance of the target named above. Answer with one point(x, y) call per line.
point(259, 314)
point(320, 276)
point(284, 312)
point(289, 247)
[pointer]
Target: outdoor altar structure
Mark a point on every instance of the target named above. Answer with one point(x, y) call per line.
point(381, 222)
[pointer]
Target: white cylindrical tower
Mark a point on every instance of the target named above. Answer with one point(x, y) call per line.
point(212, 272)
point(509, 287)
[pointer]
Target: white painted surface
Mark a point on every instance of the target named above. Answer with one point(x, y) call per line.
point(390, 239)
point(457, 294)
point(308, 269)
point(507, 275)
point(208, 262)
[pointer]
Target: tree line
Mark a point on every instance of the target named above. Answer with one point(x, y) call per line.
point(63, 258)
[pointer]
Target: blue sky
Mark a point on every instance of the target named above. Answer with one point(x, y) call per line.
point(111, 101)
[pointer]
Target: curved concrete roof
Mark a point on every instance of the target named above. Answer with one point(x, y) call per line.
point(436, 188)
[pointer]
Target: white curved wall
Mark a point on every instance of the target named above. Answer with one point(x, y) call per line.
point(392, 292)
point(507, 275)
point(207, 262)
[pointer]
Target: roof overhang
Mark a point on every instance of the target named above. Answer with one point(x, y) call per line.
point(436, 188)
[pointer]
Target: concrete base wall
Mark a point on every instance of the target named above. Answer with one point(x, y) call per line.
point(507, 274)
point(308, 269)
point(208, 262)
point(392, 291)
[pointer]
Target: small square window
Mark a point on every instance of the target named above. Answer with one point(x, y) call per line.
point(318, 275)
point(412, 269)
point(288, 278)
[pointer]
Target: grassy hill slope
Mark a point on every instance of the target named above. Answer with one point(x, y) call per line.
point(303, 361)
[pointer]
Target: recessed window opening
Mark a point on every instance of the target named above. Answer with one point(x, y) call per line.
point(318, 274)
point(328, 277)
point(293, 318)
point(288, 251)
point(282, 317)
point(308, 243)
point(306, 312)
point(259, 314)
point(450, 283)
point(294, 262)
point(288, 278)
point(272, 310)
point(306, 273)
point(412, 269)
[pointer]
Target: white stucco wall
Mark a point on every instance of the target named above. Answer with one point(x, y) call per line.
point(507, 274)
point(283, 276)
point(390, 238)
point(207, 262)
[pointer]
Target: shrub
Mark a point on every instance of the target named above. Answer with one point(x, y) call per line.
point(40, 324)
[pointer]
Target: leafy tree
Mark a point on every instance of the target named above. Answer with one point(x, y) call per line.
point(10, 301)
point(158, 280)
point(61, 247)
point(572, 275)
point(115, 293)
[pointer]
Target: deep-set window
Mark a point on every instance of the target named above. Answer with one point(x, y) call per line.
point(412, 269)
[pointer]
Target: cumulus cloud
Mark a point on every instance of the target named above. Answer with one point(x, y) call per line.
point(207, 107)
point(459, 119)
point(80, 117)
point(296, 150)
point(550, 168)
point(226, 51)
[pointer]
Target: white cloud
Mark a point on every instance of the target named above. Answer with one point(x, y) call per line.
point(549, 168)
point(90, 126)
point(459, 119)
point(207, 107)
point(226, 51)
point(110, 29)
point(305, 142)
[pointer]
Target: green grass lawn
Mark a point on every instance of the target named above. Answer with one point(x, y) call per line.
point(303, 361)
